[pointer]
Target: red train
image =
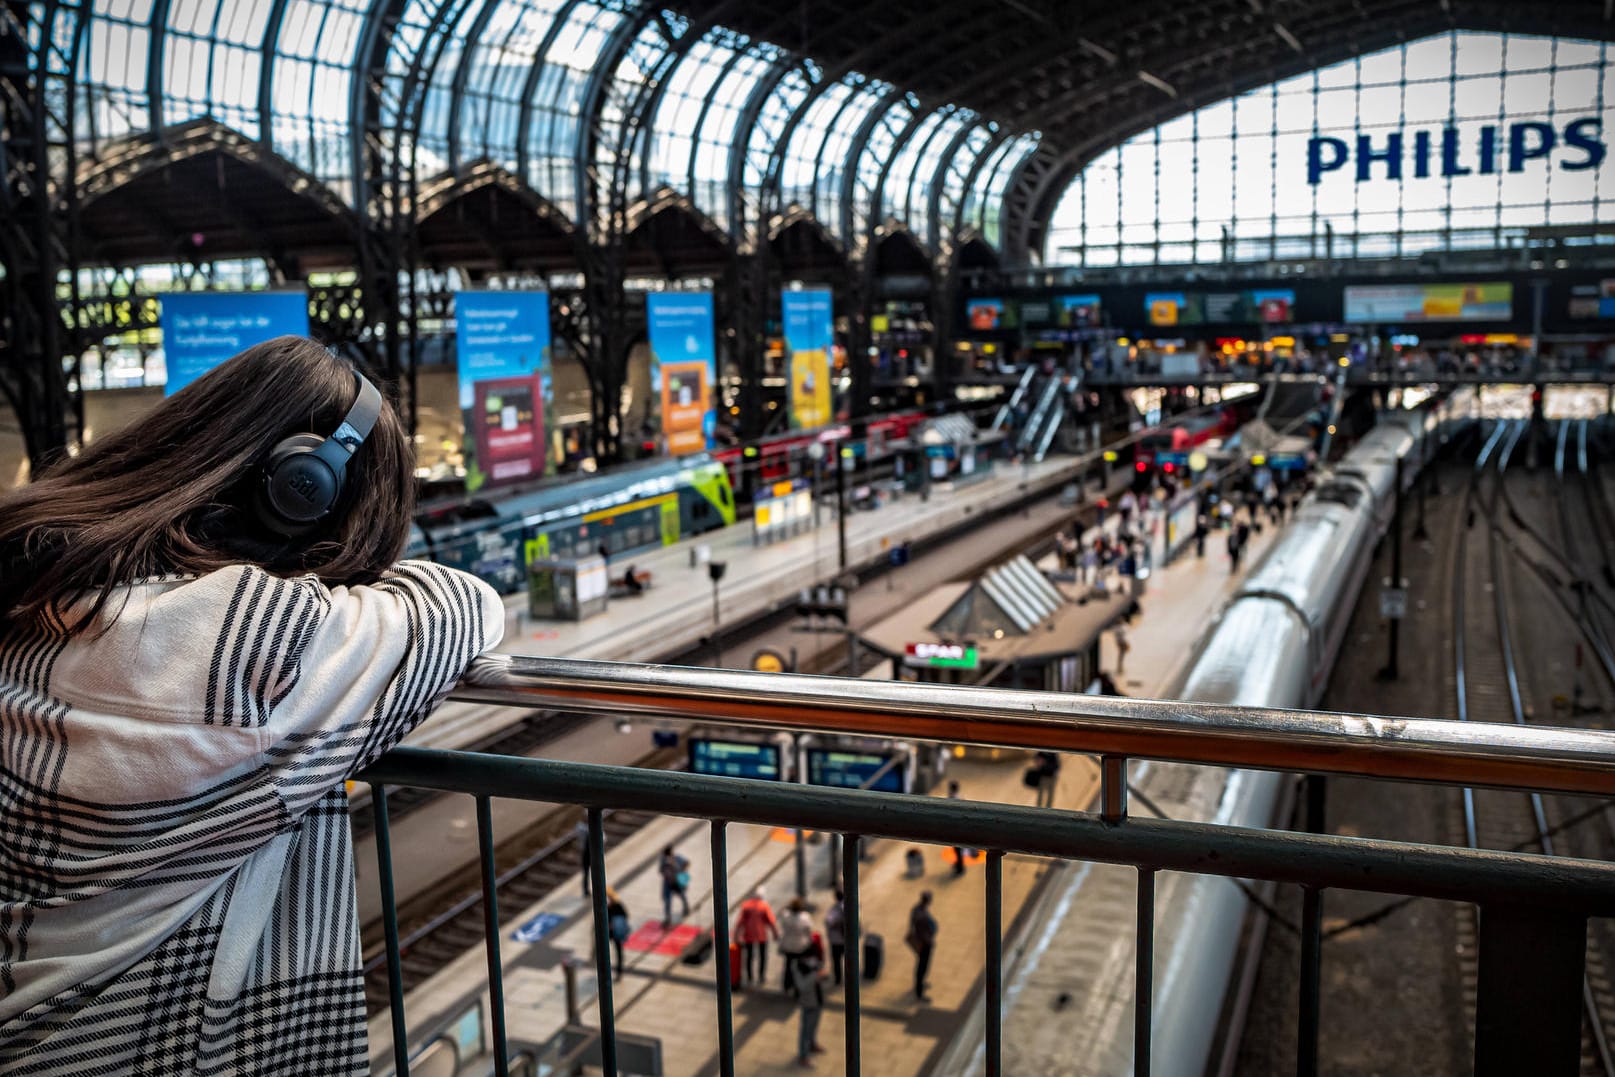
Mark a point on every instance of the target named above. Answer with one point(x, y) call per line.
point(785, 456)
point(1174, 441)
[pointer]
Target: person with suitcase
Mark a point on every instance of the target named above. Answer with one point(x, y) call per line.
point(754, 928)
point(874, 954)
point(922, 928)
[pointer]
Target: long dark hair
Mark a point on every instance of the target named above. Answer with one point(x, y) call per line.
point(176, 492)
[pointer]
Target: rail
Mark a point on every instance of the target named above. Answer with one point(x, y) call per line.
point(1534, 908)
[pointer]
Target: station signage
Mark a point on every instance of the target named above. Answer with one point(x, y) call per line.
point(941, 655)
point(858, 770)
point(734, 758)
point(1483, 150)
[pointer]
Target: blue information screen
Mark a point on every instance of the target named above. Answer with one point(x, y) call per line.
point(735, 759)
point(203, 329)
point(850, 770)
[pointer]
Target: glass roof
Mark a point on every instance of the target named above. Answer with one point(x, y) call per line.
point(508, 82)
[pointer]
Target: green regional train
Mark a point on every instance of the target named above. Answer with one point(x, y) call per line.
point(634, 507)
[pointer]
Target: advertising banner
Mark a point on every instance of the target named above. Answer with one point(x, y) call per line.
point(809, 337)
point(1593, 300)
point(684, 361)
point(203, 329)
point(1398, 303)
point(1268, 306)
point(1078, 311)
point(502, 348)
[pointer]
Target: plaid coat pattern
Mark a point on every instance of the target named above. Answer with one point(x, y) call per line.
point(176, 869)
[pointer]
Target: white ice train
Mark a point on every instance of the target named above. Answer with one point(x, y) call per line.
point(1273, 646)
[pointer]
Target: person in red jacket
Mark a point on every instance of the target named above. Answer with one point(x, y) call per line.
point(754, 927)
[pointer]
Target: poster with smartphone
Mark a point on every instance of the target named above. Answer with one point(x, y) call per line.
point(683, 368)
point(502, 348)
point(809, 338)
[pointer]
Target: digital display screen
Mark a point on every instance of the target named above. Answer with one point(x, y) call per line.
point(1268, 306)
point(735, 759)
point(1394, 304)
point(1078, 311)
point(850, 770)
point(984, 313)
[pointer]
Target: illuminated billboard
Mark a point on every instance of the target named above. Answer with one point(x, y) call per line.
point(684, 371)
point(1383, 304)
point(203, 329)
point(502, 350)
point(809, 338)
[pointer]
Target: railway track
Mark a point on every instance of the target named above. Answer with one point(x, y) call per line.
point(437, 927)
point(1493, 690)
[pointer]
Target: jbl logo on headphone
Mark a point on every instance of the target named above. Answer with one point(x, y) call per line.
point(303, 485)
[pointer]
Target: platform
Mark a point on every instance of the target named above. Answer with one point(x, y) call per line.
point(663, 998)
point(676, 613)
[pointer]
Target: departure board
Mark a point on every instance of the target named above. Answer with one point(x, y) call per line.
point(735, 759)
point(850, 770)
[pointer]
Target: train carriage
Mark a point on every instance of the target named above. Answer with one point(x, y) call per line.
point(629, 509)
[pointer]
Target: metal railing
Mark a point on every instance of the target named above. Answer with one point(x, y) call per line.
point(1534, 908)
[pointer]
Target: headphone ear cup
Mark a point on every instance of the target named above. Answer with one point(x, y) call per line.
point(299, 487)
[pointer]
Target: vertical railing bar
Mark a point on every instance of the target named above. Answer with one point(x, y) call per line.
point(852, 1000)
point(995, 962)
point(389, 922)
point(1144, 973)
point(490, 924)
point(720, 946)
point(1306, 1062)
point(602, 942)
point(1113, 788)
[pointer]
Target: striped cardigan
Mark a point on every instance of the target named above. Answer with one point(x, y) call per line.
point(176, 870)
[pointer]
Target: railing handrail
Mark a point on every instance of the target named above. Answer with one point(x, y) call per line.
point(1331, 861)
point(1371, 746)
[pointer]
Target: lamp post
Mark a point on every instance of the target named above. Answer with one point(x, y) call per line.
point(842, 456)
point(715, 572)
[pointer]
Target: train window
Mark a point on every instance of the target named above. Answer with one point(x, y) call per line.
point(723, 494)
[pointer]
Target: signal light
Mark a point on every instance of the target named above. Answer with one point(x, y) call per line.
point(1169, 467)
point(1141, 466)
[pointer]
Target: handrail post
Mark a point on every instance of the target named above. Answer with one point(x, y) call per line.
point(389, 922)
point(1113, 788)
point(1528, 1003)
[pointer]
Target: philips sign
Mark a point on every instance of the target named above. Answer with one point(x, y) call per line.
point(1452, 151)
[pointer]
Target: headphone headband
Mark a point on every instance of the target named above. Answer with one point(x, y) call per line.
point(355, 426)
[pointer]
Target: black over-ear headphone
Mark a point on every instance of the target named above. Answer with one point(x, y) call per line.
point(303, 475)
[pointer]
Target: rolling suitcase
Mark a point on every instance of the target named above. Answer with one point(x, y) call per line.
point(874, 955)
point(734, 963)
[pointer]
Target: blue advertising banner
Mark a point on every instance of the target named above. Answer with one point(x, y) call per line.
point(203, 329)
point(502, 348)
point(809, 339)
point(684, 368)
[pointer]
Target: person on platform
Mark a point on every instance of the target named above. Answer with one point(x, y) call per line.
point(630, 581)
point(921, 938)
point(835, 933)
point(1119, 633)
point(675, 872)
point(618, 925)
point(1236, 548)
point(205, 629)
point(755, 927)
point(806, 975)
point(1046, 765)
point(795, 935)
